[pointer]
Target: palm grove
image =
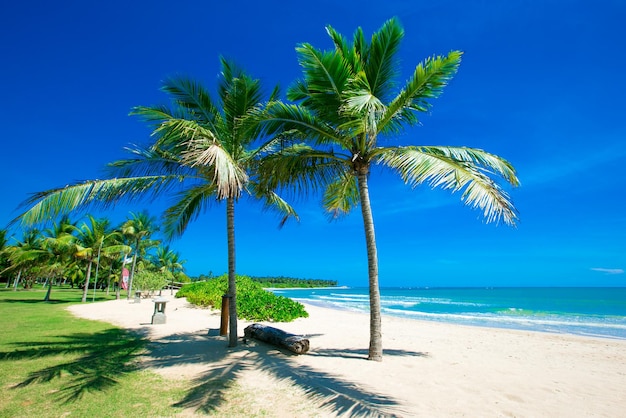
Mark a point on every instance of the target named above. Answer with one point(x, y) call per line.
point(92, 252)
point(325, 139)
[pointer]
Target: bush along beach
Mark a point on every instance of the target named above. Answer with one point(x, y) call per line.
point(253, 302)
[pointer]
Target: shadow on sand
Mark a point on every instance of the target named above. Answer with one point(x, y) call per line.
point(102, 358)
point(223, 366)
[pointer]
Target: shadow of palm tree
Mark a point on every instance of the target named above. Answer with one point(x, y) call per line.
point(41, 301)
point(99, 360)
point(363, 353)
point(224, 366)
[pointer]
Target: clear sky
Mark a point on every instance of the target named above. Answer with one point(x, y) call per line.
point(542, 84)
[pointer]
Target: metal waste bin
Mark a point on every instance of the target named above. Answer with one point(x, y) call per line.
point(159, 311)
point(138, 296)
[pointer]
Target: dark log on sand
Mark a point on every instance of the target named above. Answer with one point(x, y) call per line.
point(275, 336)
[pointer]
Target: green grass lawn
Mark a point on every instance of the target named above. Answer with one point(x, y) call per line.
point(53, 364)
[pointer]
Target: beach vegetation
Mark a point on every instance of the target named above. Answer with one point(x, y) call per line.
point(97, 239)
point(169, 262)
point(150, 279)
point(349, 109)
point(137, 231)
point(66, 253)
point(253, 303)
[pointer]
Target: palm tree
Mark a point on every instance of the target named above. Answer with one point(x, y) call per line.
point(201, 150)
point(25, 256)
point(96, 238)
point(4, 259)
point(168, 260)
point(61, 248)
point(346, 104)
point(138, 230)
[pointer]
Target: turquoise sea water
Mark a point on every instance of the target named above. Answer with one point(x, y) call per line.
point(599, 312)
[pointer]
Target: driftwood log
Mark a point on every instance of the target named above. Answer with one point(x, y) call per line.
point(275, 336)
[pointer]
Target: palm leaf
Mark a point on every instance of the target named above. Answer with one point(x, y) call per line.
point(380, 61)
point(191, 95)
point(230, 179)
point(457, 169)
point(341, 196)
point(271, 200)
point(427, 82)
point(189, 204)
point(103, 193)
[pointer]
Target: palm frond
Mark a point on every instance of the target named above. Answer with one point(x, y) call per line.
point(272, 201)
point(300, 169)
point(341, 196)
point(456, 169)
point(427, 82)
point(278, 118)
point(149, 161)
point(189, 204)
point(229, 178)
point(191, 95)
point(326, 75)
point(380, 61)
point(97, 193)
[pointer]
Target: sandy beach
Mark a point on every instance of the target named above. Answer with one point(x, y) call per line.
point(428, 370)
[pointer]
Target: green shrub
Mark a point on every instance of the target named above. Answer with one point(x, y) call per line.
point(253, 302)
point(148, 280)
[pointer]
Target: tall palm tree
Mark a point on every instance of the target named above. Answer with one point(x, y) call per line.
point(201, 154)
point(346, 102)
point(138, 230)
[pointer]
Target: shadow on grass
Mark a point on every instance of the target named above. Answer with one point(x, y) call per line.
point(223, 367)
point(41, 301)
point(97, 360)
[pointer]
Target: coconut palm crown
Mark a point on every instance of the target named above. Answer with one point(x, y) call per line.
point(346, 102)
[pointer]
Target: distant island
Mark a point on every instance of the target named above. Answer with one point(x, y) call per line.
point(285, 282)
point(279, 282)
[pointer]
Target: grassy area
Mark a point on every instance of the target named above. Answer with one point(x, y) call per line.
point(53, 364)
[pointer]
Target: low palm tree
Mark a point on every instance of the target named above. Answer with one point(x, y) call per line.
point(201, 154)
point(61, 248)
point(347, 103)
point(138, 230)
point(168, 260)
point(94, 238)
point(4, 259)
point(25, 256)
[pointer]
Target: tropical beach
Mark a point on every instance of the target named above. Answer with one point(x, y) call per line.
point(429, 369)
point(447, 193)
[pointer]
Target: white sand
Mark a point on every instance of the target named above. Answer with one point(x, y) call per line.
point(429, 369)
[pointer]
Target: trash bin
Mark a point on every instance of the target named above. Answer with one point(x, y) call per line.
point(138, 296)
point(159, 311)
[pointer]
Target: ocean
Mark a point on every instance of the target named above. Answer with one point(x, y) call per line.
point(598, 312)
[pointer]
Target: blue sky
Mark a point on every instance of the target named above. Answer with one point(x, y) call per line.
point(541, 84)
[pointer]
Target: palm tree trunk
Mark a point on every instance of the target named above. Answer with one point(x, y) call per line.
point(232, 286)
point(376, 343)
point(87, 277)
point(17, 280)
point(47, 297)
point(132, 271)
